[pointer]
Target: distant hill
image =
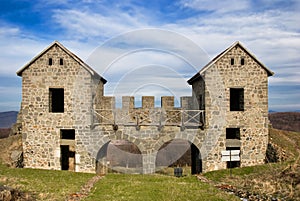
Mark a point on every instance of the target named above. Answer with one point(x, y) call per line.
point(289, 121)
point(7, 119)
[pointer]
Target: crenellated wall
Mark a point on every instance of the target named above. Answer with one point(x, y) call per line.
point(167, 114)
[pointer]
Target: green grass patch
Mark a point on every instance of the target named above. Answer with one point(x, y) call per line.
point(154, 187)
point(44, 184)
point(222, 175)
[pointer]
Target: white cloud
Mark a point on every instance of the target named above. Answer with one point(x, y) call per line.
point(139, 80)
point(16, 49)
point(216, 6)
point(88, 24)
point(285, 80)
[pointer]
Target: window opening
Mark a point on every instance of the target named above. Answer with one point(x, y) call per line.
point(50, 62)
point(68, 134)
point(233, 133)
point(56, 100)
point(232, 61)
point(236, 99)
point(61, 61)
point(242, 61)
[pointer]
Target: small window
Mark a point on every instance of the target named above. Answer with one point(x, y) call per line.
point(232, 61)
point(242, 61)
point(68, 134)
point(61, 61)
point(50, 62)
point(233, 133)
point(56, 100)
point(236, 99)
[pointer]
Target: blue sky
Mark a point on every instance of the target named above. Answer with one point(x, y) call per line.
point(270, 29)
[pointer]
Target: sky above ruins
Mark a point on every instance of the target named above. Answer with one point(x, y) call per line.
point(159, 63)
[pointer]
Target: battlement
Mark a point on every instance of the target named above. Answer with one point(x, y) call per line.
point(148, 102)
point(148, 115)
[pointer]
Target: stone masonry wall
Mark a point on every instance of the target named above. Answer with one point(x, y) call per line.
point(147, 127)
point(41, 128)
point(252, 122)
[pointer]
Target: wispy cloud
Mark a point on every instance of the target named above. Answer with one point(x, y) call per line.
point(220, 6)
point(269, 29)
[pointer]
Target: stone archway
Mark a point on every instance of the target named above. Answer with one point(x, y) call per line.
point(119, 156)
point(179, 153)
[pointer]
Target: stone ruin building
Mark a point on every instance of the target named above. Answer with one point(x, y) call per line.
point(67, 122)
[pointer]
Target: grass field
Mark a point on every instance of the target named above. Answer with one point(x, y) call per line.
point(43, 184)
point(57, 185)
point(155, 187)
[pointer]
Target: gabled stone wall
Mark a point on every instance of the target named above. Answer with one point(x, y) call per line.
point(40, 127)
point(252, 122)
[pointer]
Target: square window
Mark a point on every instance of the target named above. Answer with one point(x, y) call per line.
point(56, 100)
point(68, 134)
point(233, 133)
point(236, 99)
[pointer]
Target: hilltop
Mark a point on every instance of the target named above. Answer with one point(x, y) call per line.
point(289, 121)
point(7, 119)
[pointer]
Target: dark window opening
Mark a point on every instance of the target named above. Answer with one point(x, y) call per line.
point(233, 133)
point(50, 62)
point(61, 61)
point(232, 61)
point(68, 134)
point(242, 61)
point(233, 164)
point(56, 100)
point(236, 99)
point(64, 160)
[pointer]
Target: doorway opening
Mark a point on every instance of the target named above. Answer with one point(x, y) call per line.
point(119, 156)
point(67, 149)
point(178, 153)
point(67, 157)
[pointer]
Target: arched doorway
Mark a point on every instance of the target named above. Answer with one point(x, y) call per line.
point(179, 153)
point(119, 156)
